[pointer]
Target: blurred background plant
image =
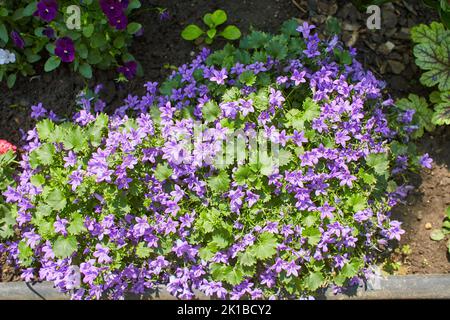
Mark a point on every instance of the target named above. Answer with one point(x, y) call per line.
point(443, 7)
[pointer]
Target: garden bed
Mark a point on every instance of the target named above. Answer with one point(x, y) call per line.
point(162, 45)
point(383, 288)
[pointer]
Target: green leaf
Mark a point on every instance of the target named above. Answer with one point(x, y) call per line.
point(75, 139)
point(351, 268)
point(247, 258)
point(248, 78)
point(11, 81)
point(211, 33)
point(206, 253)
point(314, 281)
point(56, 200)
point(45, 153)
point(76, 225)
point(30, 9)
point(163, 172)
point(133, 27)
point(25, 254)
point(88, 30)
point(86, 70)
point(231, 33)
point(37, 180)
point(432, 33)
point(191, 32)
point(98, 40)
point(441, 115)
point(210, 111)
point(266, 246)
point(52, 63)
point(219, 17)
point(378, 162)
point(44, 129)
point(433, 54)
point(255, 40)
point(357, 202)
point(242, 174)
point(143, 251)
point(437, 235)
point(208, 20)
point(219, 183)
point(3, 33)
point(65, 247)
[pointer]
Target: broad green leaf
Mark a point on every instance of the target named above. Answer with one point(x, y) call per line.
point(247, 258)
point(208, 20)
point(314, 281)
point(219, 183)
point(379, 162)
point(133, 27)
point(86, 70)
point(45, 128)
point(30, 9)
point(248, 78)
point(75, 139)
point(219, 17)
point(231, 33)
point(142, 250)
point(211, 33)
point(56, 200)
point(52, 63)
point(65, 247)
point(441, 115)
point(433, 33)
point(3, 33)
point(210, 111)
point(11, 81)
point(432, 54)
point(357, 202)
point(163, 172)
point(191, 32)
point(76, 225)
point(255, 40)
point(45, 153)
point(266, 246)
point(25, 254)
point(88, 30)
point(242, 174)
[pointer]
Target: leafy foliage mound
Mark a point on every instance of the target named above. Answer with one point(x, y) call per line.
point(136, 199)
point(432, 55)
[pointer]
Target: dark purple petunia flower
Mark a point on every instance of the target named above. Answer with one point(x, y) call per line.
point(128, 69)
point(49, 33)
point(17, 39)
point(164, 15)
point(112, 8)
point(65, 49)
point(119, 22)
point(47, 10)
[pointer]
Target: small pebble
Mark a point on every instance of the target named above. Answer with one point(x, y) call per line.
point(428, 226)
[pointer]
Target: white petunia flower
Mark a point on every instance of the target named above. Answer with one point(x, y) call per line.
point(6, 57)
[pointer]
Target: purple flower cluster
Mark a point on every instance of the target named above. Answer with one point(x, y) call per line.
point(151, 211)
point(47, 10)
point(115, 12)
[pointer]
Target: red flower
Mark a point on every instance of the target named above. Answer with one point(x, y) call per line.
point(5, 146)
